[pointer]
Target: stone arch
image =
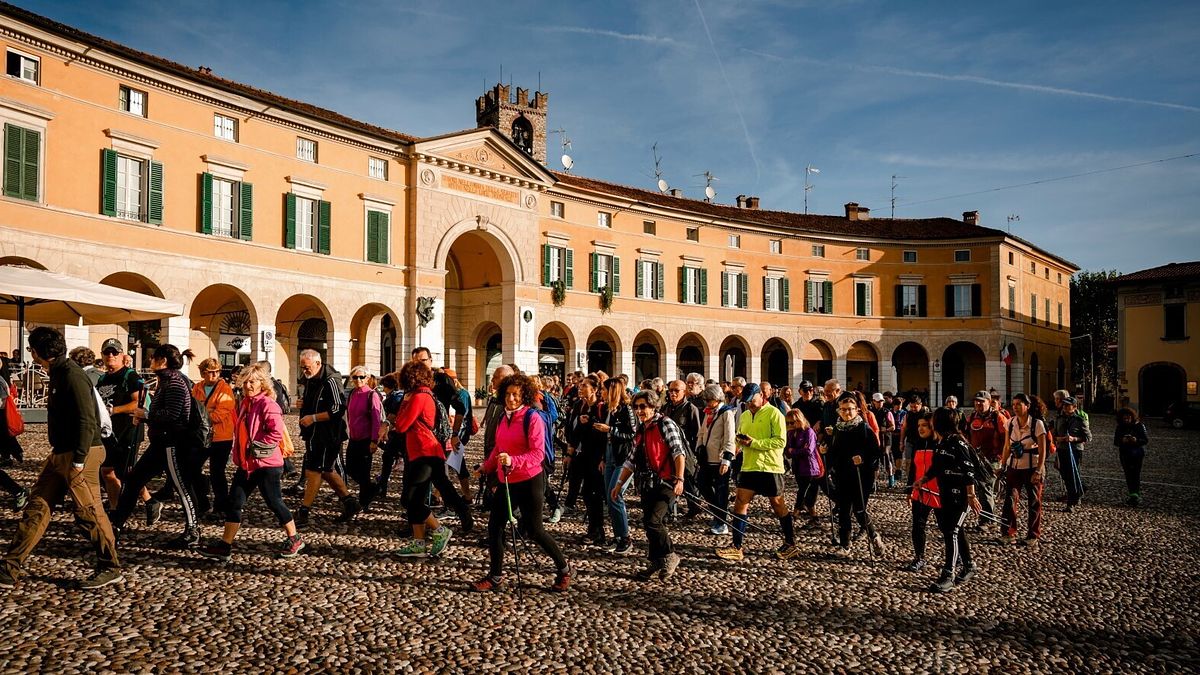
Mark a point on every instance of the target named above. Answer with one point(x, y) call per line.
point(140, 337)
point(964, 371)
point(862, 367)
point(483, 354)
point(18, 260)
point(375, 339)
point(603, 347)
point(691, 355)
point(221, 317)
point(505, 249)
point(911, 361)
point(818, 358)
point(289, 320)
point(649, 356)
point(738, 348)
point(777, 362)
point(556, 350)
point(1160, 384)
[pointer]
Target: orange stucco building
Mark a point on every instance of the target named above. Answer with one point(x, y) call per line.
point(281, 225)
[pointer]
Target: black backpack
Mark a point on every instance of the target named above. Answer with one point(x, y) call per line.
point(441, 428)
point(198, 431)
point(281, 396)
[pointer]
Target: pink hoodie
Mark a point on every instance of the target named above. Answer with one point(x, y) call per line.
point(527, 452)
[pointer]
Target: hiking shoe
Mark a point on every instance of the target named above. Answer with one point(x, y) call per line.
point(562, 581)
point(877, 547)
point(555, 515)
point(415, 548)
point(622, 547)
point(350, 508)
point(787, 552)
point(1032, 543)
point(730, 553)
point(102, 578)
point(292, 546)
point(190, 539)
point(811, 523)
point(964, 575)
point(466, 520)
point(153, 512)
point(440, 539)
point(842, 552)
point(7, 580)
point(485, 585)
point(669, 565)
point(20, 500)
point(1007, 540)
point(651, 570)
point(943, 584)
point(720, 529)
point(915, 566)
point(1135, 498)
point(218, 551)
point(301, 516)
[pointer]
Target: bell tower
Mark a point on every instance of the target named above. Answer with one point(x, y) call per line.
point(520, 118)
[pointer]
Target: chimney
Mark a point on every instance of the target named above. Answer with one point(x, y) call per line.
point(856, 212)
point(741, 201)
point(676, 192)
point(971, 217)
point(752, 203)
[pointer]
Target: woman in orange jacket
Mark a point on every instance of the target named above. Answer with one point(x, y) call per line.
point(215, 394)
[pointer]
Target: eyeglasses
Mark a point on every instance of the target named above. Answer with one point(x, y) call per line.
point(675, 391)
point(642, 406)
point(358, 377)
point(210, 372)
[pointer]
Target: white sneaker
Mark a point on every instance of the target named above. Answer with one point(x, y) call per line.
point(719, 530)
point(556, 515)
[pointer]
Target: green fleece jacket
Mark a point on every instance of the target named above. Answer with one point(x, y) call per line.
point(768, 429)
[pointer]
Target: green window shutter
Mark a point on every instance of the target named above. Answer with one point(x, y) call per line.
point(385, 235)
point(785, 303)
point(703, 286)
point(921, 300)
point(372, 236)
point(949, 300)
point(744, 289)
point(29, 165)
point(206, 203)
point(725, 300)
point(324, 227)
point(545, 264)
point(899, 294)
point(108, 182)
point(570, 268)
point(616, 276)
point(810, 296)
point(660, 292)
point(154, 201)
point(246, 212)
point(289, 220)
point(860, 299)
point(828, 297)
point(14, 140)
point(637, 279)
point(766, 291)
point(683, 285)
point(977, 301)
point(594, 284)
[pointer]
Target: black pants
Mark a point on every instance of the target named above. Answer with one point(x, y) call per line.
point(1131, 464)
point(715, 489)
point(593, 493)
point(950, 520)
point(157, 458)
point(920, 519)
point(393, 450)
point(527, 498)
point(10, 447)
point(851, 500)
point(551, 491)
point(270, 485)
point(806, 492)
point(358, 467)
point(575, 479)
point(656, 501)
point(419, 475)
point(217, 456)
point(8, 484)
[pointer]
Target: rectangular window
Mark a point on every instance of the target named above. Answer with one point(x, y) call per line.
point(224, 206)
point(1174, 321)
point(133, 101)
point(819, 297)
point(1012, 301)
point(862, 298)
point(306, 223)
point(129, 188)
point(1032, 267)
point(22, 149)
point(306, 149)
point(23, 66)
point(775, 294)
point(862, 254)
point(556, 209)
point(693, 285)
point(1010, 257)
point(1060, 316)
point(735, 241)
point(962, 255)
point(603, 219)
point(650, 279)
point(734, 289)
point(606, 273)
point(962, 300)
point(910, 256)
point(818, 250)
point(693, 234)
point(648, 227)
point(910, 301)
point(225, 127)
point(556, 264)
point(1047, 271)
point(1060, 277)
point(776, 246)
point(1033, 308)
point(377, 168)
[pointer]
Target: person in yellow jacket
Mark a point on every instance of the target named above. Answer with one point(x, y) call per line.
point(761, 437)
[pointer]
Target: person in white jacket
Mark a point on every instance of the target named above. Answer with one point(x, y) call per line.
point(716, 449)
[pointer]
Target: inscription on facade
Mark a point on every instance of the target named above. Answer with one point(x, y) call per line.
point(1143, 299)
point(489, 191)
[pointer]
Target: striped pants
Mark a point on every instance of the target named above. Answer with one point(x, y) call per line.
point(153, 462)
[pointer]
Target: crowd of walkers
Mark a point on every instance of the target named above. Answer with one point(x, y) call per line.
point(695, 452)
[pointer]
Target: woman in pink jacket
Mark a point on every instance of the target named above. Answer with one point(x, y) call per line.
point(517, 463)
point(258, 432)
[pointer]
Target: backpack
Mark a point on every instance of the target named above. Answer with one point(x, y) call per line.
point(281, 396)
point(102, 416)
point(549, 430)
point(690, 463)
point(198, 428)
point(441, 422)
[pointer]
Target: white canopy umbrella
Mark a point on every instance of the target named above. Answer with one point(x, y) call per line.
point(28, 294)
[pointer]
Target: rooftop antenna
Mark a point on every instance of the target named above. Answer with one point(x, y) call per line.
point(1011, 218)
point(658, 174)
point(807, 170)
point(709, 192)
point(565, 142)
point(894, 184)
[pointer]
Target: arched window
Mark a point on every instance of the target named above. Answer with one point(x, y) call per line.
point(522, 134)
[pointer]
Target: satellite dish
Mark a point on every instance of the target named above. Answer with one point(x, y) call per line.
point(567, 162)
point(662, 185)
point(710, 192)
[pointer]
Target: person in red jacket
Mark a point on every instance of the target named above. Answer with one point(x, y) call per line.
point(924, 501)
point(425, 457)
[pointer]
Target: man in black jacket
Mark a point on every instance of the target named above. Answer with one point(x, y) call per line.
point(322, 427)
point(687, 416)
point(74, 465)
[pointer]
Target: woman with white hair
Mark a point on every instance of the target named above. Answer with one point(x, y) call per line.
point(364, 418)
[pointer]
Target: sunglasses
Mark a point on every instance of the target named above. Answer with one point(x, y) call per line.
point(210, 372)
point(643, 406)
point(358, 377)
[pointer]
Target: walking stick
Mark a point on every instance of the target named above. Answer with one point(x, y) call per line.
point(512, 523)
point(982, 514)
point(716, 511)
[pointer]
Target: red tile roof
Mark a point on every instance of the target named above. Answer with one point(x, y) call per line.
point(1184, 271)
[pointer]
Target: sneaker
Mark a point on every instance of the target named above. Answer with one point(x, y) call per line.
point(562, 581)
point(301, 516)
point(720, 529)
point(295, 490)
point(153, 512)
point(485, 585)
point(858, 534)
point(787, 551)
point(7, 580)
point(292, 546)
point(102, 578)
point(1135, 498)
point(1007, 540)
point(812, 523)
point(189, 540)
point(1032, 543)
point(218, 551)
point(651, 570)
point(622, 547)
point(20, 500)
point(556, 515)
point(440, 539)
point(842, 552)
point(730, 553)
point(891, 482)
point(877, 547)
point(669, 565)
point(915, 566)
point(964, 575)
point(466, 520)
point(943, 584)
point(415, 548)
point(350, 508)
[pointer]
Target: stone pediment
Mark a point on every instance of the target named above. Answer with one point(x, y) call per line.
point(485, 153)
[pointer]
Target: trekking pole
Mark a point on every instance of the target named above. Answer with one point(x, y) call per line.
point(713, 511)
point(833, 538)
point(986, 515)
point(862, 496)
point(512, 523)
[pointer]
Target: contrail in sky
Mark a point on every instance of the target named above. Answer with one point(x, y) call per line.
point(636, 37)
point(732, 96)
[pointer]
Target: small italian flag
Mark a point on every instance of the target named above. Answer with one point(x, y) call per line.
point(1006, 355)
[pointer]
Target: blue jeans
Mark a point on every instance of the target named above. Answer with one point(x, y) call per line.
point(616, 509)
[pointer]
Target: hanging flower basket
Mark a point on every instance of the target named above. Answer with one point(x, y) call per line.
point(558, 293)
point(606, 299)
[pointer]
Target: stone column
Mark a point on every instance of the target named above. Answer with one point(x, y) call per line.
point(338, 350)
point(888, 378)
point(670, 367)
point(262, 346)
point(839, 374)
point(624, 363)
point(754, 368)
point(712, 368)
point(994, 376)
point(177, 330)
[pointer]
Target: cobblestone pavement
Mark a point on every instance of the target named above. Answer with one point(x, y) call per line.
point(1112, 590)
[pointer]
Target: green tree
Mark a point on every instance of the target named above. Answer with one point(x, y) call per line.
point(1094, 312)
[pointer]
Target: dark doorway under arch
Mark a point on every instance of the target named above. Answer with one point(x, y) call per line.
point(1160, 385)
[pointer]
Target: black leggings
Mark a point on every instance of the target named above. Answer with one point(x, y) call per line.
point(217, 456)
point(1131, 464)
point(269, 484)
point(358, 467)
point(806, 492)
point(152, 462)
point(851, 500)
point(419, 474)
point(594, 488)
point(950, 520)
point(527, 498)
point(920, 519)
point(393, 450)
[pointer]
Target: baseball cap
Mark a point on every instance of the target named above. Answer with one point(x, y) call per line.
point(805, 384)
point(877, 396)
point(1070, 400)
point(112, 345)
point(749, 391)
point(983, 396)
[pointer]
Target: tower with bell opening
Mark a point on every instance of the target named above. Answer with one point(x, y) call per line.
point(521, 118)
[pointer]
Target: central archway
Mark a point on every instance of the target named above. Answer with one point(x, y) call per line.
point(479, 280)
point(776, 362)
point(691, 353)
point(964, 371)
point(602, 347)
point(222, 319)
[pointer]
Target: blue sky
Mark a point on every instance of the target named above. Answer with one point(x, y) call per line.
point(954, 97)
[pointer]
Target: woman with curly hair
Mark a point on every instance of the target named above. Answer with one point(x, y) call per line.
point(1023, 464)
point(516, 463)
point(425, 458)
